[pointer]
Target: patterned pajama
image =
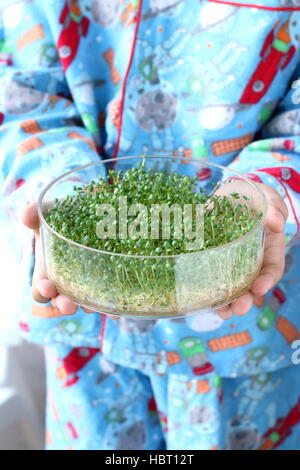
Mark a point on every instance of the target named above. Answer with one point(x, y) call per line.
point(107, 406)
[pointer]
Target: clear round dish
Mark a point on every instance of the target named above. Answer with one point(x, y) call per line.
point(152, 287)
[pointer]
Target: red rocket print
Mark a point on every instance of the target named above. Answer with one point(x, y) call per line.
point(280, 295)
point(282, 429)
point(205, 369)
point(276, 54)
point(288, 144)
point(20, 183)
point(74, 26)
point(152, 407)
point(285, 175)
point(5, 59)
point(73, 363)
point(290, 177)
point(204, 174)
point(24, 326)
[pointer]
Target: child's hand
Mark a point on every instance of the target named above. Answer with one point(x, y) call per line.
point(44, 290)
point(274, 254)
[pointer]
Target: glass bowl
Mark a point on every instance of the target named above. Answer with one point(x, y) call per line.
point(152, 287)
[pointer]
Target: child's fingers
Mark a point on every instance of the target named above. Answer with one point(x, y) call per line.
point(30, 218)
point(87, 310)
point(238, 307)
point(65, 305)
point(273, 264)
point(224, 312)
point(38, 297)
point(42, 289)
point(277, 215)
point(46, 288)
point(242, 305)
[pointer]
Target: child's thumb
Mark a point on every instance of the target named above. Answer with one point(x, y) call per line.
point(30, 218)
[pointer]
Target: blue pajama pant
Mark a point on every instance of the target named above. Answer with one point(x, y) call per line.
point(96, 404)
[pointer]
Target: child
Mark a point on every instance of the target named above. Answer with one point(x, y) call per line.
point(86, 79)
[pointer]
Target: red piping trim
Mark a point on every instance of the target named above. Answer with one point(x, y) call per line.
point(102, 332)
point(289, 199)
point(285, 190)
point(138, 19)
point(261, 7)
point(116, 150)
